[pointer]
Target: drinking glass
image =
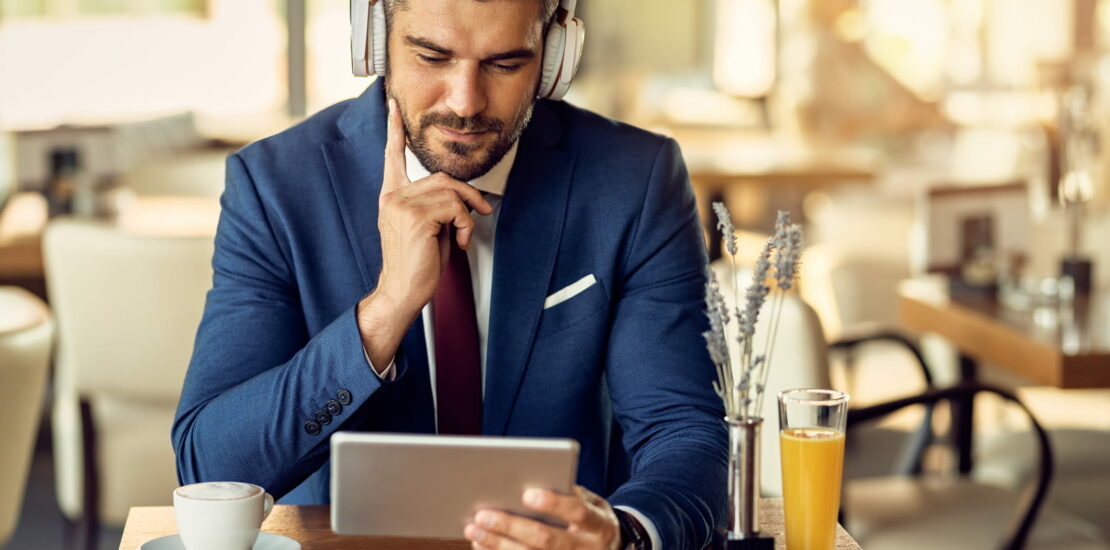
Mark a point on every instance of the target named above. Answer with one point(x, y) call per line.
point(811, 444)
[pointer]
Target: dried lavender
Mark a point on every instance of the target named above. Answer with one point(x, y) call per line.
point(757, 292)
point(724, 223)
point(788, 250)
point(743, 399)
point(715, 340)
point(788, 253)
point(728, 234)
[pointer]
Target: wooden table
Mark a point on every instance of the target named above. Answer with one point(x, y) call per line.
point(311, 526)
point(1064, 347)
point(24, 218)
point(723, 155)
point(21, 222)
point(762, 173)
point(1060, 347)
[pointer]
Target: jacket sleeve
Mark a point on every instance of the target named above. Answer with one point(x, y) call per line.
point(658, 370)
point(256, 378)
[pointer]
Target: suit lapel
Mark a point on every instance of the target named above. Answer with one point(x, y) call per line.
point(355, 168)
point(526, 242)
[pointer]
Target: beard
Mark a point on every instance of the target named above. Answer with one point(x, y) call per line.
point(464, 161)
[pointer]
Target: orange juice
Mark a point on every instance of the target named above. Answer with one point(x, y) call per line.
point(812, 459)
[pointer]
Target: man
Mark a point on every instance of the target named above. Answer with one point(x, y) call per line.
point(343, 250)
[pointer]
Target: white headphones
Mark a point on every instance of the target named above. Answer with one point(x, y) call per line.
point(562, 50)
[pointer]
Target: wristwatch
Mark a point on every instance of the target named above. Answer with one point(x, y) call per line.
point(633, 534)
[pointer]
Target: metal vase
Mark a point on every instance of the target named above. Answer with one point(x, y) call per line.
point(743, 478)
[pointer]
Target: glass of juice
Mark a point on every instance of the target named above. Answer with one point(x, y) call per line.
point(811, 444)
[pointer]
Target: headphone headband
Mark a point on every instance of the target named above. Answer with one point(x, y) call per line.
point(562, 50)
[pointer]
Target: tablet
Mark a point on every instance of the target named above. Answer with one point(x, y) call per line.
point(430, 486)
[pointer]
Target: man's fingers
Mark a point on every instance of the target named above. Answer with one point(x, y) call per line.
point(590, 496)
point(455, 214)
point(481, 537)
point(572, 509)
point(428, 191)
point(463, 222)
point(395, 174)
point(499, 530)
point(462, 236)
point(467, 193)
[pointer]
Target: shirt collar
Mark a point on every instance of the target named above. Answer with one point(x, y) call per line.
point(493, 181)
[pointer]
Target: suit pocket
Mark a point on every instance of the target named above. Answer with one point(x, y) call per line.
point(574, 310)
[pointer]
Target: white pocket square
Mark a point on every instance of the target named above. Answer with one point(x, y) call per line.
point(569, 291)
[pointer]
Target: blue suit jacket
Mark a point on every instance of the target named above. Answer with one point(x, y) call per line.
point(621, 367)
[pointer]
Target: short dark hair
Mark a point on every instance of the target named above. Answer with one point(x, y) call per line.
point(547, 10)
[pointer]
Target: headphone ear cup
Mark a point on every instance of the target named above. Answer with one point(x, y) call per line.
point(552, 58)
point(360, 26)
point(572, 54)
point(377, 59)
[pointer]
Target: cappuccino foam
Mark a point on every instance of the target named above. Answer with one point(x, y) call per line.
point(219, 490)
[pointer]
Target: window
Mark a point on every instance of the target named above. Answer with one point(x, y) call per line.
point(69, 8)
point(127, 66)
point(745, 47)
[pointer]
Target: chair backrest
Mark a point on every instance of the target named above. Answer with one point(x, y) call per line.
point(866, 290)
point(26, 334)
point(197, 173)
point(127, 306)
point(800, 360)
point(1029, 504)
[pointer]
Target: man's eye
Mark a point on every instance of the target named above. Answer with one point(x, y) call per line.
point(506, 68)
point(435, 60)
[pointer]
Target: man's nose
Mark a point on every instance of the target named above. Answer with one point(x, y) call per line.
point(466, 96)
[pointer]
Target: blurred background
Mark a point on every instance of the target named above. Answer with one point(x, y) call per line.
point(958, 138)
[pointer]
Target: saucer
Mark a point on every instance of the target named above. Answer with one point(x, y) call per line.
point(266, 541)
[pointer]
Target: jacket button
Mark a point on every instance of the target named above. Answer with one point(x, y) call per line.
point(344, 397)
point(334, 407)
point(323, 418)
point(312, 427)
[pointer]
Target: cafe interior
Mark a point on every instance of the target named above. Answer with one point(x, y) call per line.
point(947, 160)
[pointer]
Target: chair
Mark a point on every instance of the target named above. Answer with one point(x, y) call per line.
point(1082, 478)
point(880, 450)
point(127, 307)
point(959, 512)
point(26, 335)
point(859, 290)
point(192, 172)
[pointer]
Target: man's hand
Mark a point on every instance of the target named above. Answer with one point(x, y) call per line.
point(413, 220)
point(591, 524)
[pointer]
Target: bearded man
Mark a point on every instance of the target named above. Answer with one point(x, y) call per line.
point(449, 254)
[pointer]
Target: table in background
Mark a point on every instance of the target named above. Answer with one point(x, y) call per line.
point(773, 172)
point(311, 526)
point(1065, 347)
point(24, 218)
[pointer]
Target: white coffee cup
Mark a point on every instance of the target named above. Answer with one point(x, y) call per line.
point(220, 515)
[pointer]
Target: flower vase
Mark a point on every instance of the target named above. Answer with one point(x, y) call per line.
point(744, 486)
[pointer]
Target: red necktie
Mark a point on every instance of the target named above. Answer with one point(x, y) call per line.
point(458, 363)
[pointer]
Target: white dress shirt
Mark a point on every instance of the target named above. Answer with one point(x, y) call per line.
point(480, 254)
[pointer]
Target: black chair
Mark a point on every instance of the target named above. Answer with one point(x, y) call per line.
point(952, 511)
point(888, 449)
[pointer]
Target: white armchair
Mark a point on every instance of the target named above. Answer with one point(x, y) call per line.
point(26, 334)
point(127, 307)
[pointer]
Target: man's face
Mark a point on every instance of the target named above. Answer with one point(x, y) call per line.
point(464, 74)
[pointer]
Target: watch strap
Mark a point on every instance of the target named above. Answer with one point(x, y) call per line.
point(633, 534)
